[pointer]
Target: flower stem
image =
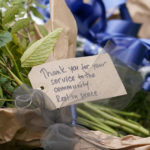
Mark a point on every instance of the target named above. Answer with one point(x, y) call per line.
point(92, 125)
point(117, 120)
point(100, 124)
point(18, 81)
point(123, 113)
point(14, 62)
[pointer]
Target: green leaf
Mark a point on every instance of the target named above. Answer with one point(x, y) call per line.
point(31, 43)
point(43, 30)
point(20, 24)
point(3, 4)
point(10, 14)
point(36, 13)
point(24, 43)
point(39, 52)
point(3, 80)
point(5, 37)
point(9, 87)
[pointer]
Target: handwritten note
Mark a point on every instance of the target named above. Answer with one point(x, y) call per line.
point(78, 80)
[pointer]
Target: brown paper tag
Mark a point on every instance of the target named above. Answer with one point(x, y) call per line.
point(77, 80)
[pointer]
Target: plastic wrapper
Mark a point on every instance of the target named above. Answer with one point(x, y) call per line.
point(57, 135)
point(17, 137)
point(35, 117)
point(62, 136)
point(131, 79)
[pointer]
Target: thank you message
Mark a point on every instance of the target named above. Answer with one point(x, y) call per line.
point(77, 80)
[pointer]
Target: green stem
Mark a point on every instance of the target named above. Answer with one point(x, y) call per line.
point(92, 125)
point(110, 123)
point(105, 109)
point(90, 117)
point(117, 120)
point(128, 114)
point(134, 122)
point(14, 62)
point(7, 100)
point(116, 125)
point(5, 76)
point(2, 64)
point(18, 81)
point(1, 92)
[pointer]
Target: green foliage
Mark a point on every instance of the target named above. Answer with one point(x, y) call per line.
point(3, 80)
point(10, 14)
point(5, 37)
point(20, 24)
point(38, 52)
point(16, 33)
point(141, 104)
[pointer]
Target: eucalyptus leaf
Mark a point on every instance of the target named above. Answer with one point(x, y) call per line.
point(20, 24)
point(5, 37)
point(39, 51)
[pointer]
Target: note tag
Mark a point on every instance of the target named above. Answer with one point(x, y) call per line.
point(78, 80)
